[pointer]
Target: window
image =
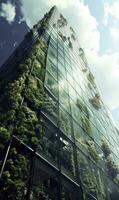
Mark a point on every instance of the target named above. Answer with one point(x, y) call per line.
point(52, 68)
point(68, 67)
point(48, 143)
point(66, 156)
point(51, 84)
point(50, 108)
point(87, 176)
point(64, 99)
point(63, 83)
point(52, 54)
point(61, 69)
point(65, 123)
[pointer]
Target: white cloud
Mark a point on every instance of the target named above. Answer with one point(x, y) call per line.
point(61, 4)
point(76, 12)
point(114, 32)
point(111, 10)
point(88, 28)
point(106, 70)
point(33, 10)
point(105, 67)
point(8, 12)
point(114, 9)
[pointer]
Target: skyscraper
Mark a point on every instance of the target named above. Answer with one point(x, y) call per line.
point(57, 139)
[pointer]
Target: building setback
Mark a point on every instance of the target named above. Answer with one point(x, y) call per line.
point(57, 139)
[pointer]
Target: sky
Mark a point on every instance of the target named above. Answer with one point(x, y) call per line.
point(96, 23)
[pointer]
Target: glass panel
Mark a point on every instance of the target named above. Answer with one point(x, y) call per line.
point(61, 58)
point(51, 84)
point(50, 108)
point(91, 149)
point(48, 144)
point(112, 189)
point(87, 177)
point(76, 114)
point(52, 54)
point(51, 68)
point(69, 191)
point(61, 69)
point(70, 80)
point(63, 82)
point(72, 92)
point(53, 42)
point(45, 184)
point(80, 137)
point(65, 122)
point(66, 157)
point(64, 99)
point(68, 68)
point(86, 125)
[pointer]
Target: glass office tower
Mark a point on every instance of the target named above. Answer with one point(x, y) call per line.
point(57, 139)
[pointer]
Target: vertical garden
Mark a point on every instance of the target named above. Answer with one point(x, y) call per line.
point(22, 96)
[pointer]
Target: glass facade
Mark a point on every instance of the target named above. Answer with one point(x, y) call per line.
point(77, 156)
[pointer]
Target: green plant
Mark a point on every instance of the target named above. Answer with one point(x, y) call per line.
point(106, 149)
point(14, 177)
point(54, 25)
point(33, 93)
point(50, 107)
point(92, 150)
point(4, 138)
point(117, 180)
point(21, 99)
point(113, 169)
point(62, 36)
point(87, 178)
point(70, 45)
point(61, 21)
point(51, 84)
point(86, 125)
point(29, 35)
point(4, 135)
point(39, 192)
point(38, 70)
point(83, 107)
point(101, 186)
point(73, 37)
point(95, 101)
point(64, 122)
point(66, 158)
point(89, 85)
point(90, 77)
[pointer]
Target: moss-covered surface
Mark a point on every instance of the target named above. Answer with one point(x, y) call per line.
point(22, 96)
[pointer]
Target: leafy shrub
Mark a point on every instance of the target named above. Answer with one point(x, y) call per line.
point(106, 149)
point(95, 101)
